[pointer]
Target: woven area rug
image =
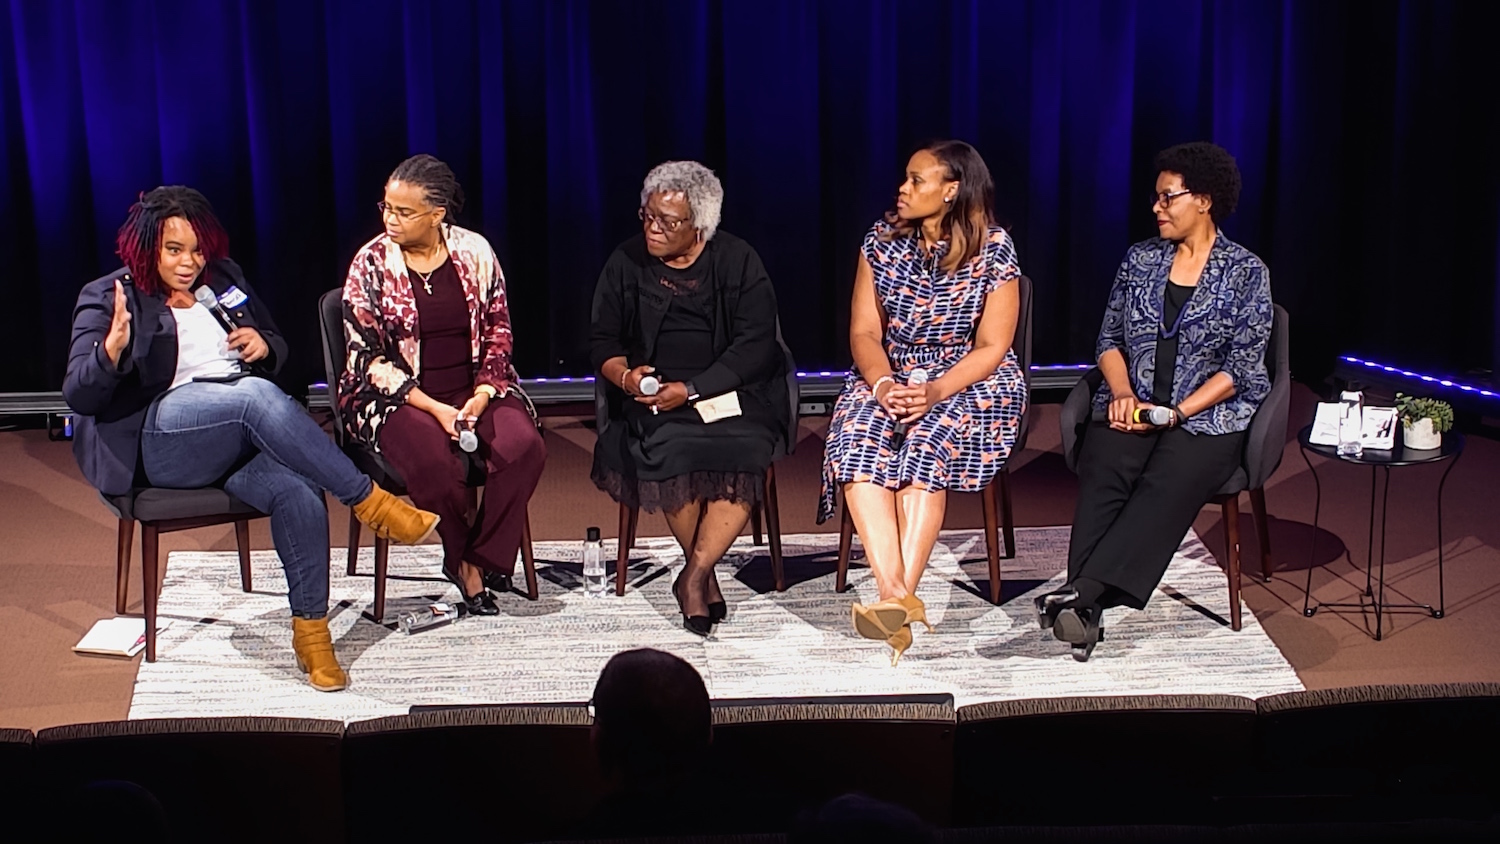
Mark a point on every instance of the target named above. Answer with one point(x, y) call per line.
point(229, 652)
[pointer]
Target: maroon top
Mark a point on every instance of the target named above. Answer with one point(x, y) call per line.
point(443, 326)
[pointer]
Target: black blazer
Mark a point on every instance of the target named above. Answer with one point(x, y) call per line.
point(110, 401)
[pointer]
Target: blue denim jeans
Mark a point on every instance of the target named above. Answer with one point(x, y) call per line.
point(261, 446)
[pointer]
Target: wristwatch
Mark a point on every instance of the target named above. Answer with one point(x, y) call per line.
point(691, 390)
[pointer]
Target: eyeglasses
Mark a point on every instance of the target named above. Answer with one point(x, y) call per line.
point(402, 214)
point(665, 224)
point(1165, 199)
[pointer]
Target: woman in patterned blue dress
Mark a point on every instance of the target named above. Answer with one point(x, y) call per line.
point(1186, 328)
point(933, 292)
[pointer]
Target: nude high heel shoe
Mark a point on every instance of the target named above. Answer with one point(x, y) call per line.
point(916, 611)
point(878, 621)
point(899, 643)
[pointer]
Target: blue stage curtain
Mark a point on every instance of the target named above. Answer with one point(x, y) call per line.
point(1362, 129)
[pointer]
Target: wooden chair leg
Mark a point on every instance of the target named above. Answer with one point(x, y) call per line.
point(635, 524)
point(1007, 515)
point(354, 528)
point(382, 563)
point(528, 559)
point(122, 565)
point(242, 543)
point(773, 529)
point(149, 593)
point(755, 526)
point(1262, 530)
point(622, 560)
point(991, 539)
point(1232, 543)
point(846, 547)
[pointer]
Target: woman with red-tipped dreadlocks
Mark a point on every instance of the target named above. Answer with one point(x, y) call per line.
point(171, 390)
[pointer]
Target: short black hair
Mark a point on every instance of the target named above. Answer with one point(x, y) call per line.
point(651, 714)
point(439, 186)
point(1206, 169)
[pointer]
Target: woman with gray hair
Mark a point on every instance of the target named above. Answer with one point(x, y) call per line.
point(684, 335)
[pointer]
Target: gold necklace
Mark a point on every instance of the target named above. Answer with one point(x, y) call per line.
point(426, 279)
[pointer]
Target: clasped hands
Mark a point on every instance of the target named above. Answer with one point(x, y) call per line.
point(452, 419)
point(669, 396)
point(906, 402)
point(1122, 415)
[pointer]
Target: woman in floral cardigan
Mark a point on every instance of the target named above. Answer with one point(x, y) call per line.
point(429, 357)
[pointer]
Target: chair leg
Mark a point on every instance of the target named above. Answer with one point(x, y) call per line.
point(1262, 530)
point(635, 524)
point(382, 565)
point(627, 519)
point(1232, 541)
point(528, 559)
point(354, 527)
point(122, 565)
point(991, 539)
point(149, 592)
point(242, 542)
point(773, 529)
point(1007, 515)
point(846, 547)
point(755, 526)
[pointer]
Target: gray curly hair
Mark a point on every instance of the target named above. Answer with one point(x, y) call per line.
point(705, 196)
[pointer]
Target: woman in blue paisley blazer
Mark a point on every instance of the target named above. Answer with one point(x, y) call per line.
point(1185, 331)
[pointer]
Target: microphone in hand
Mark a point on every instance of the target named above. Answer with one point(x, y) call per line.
point(467, 439)
point(650, 386)
point(898, 437)
point(1158, 416)
point(205, 296)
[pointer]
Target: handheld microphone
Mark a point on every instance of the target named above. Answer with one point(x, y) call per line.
point(206, 298)
point(1158, 416)
point(650, 386)
point(467, 440)
point(918, 377)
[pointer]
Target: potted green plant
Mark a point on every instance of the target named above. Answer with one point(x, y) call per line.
point(1423, 421)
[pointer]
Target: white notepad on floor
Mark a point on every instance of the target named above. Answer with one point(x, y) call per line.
point(121, 636)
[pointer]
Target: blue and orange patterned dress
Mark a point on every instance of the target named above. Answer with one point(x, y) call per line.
point(932, 315)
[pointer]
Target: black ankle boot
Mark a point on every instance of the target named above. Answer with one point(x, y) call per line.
point(1080, 627)
point(1052, 603)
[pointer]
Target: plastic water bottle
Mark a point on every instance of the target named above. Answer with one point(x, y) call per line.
point(1351, 421)
point(428, 617)
point(593, 564)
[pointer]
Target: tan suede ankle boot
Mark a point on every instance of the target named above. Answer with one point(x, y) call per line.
point(392, 518)
point(315, 655)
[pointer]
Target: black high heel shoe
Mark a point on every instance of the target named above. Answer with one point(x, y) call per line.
point(1050, 604)
point(1081, 628)
point(700, 625)
point(481, 604)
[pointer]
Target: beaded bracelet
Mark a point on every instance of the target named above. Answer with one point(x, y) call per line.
point(874, 388)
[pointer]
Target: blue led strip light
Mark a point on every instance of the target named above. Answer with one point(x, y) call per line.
point(1431, 379)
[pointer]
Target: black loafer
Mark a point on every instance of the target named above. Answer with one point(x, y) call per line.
point(1050, 604)
point(496, 582)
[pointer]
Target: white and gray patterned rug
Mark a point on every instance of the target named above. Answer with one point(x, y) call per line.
point(229, 653)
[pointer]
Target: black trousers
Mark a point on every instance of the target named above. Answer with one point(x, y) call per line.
point(1138, 495)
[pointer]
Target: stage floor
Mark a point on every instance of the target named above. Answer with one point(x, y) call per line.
point(229, 653)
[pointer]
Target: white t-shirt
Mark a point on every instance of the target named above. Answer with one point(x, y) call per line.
point(202, 349)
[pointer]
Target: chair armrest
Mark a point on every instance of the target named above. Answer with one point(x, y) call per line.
point(1077, 412)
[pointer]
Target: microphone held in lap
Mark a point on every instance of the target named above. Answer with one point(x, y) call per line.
point(206, 298)
point(650, 385)
point(898, 436)
point(1158, 416)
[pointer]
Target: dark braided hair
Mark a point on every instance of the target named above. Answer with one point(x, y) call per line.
point(1206, 169)
point(439, 186)
point(138, 242)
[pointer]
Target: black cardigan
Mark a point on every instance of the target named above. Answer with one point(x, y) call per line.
point(630, 302)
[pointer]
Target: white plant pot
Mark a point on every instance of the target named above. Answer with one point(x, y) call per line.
point(1421, 436)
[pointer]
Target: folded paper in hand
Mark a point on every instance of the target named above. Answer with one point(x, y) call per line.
point(719, 407)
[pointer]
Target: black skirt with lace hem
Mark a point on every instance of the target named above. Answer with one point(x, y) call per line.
point(672, 494)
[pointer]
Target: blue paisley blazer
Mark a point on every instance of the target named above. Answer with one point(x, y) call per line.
point(1225, 328)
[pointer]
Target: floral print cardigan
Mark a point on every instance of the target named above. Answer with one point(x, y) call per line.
point(383, 349)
